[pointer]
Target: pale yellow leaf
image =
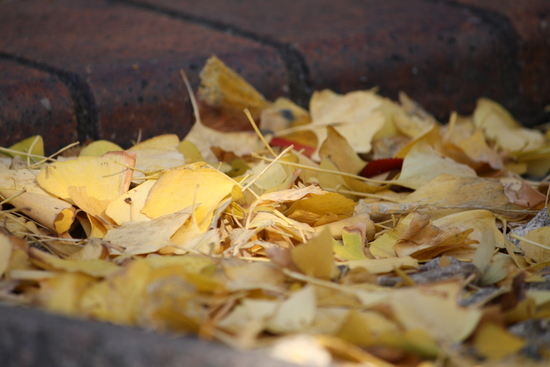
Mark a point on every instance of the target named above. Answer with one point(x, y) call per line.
point(295, 313)
point(127, 207)
point(144, 237)
point(434, 309)
point(499, 126)
point(158, 153)
point(423, 163)
point(380, 266)
point(98, 148)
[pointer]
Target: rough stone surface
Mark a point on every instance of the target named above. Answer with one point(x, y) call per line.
point(32, 338)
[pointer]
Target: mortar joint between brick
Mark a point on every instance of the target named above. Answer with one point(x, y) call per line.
point(85, 107)
point(300, 86)
point(507, 33)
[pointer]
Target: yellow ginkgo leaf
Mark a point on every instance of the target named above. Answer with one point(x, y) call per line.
point(145, 237)
point(353, 115)
point(223, 87)
point(6, 249)
point(105, 178)
point(452, 194)
point(98, 148)
point(315, 257)
point(434, 309)
point(127, 207)
point(194, 184)
point(158, 153)
point(499, 126)
point(494, 342)
point(97, 267)
point(33, 145)
point(55, 214)
point(295, 313)
point(422, 163)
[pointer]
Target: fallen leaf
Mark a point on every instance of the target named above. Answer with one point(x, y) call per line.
point(150, 236)
point(494, 342)
point(158, 153)
point(500, 126)
point(105, 177)
point(195, 184)
point(98, 148)
point(422, 164)
point(536, 245)
point(315, 257)
point(434, 309)
point(94, 267)
point(295, 313)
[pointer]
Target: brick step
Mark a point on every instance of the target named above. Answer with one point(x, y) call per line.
point(90, 69)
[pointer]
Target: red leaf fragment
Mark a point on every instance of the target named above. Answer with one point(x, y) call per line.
point(284, 143)
point(379, 166)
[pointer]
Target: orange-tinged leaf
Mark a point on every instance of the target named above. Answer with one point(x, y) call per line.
point(338, 150)
point(319, 205)
point(353, 115)
point(423, 240)
point(223, 87)
point(522, 194)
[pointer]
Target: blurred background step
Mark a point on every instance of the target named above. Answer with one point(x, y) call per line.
point(122, 64)
point(119, 60)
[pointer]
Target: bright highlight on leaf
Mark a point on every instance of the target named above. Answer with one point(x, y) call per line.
point(182, 187)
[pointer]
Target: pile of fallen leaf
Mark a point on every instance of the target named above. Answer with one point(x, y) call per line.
point(362, 230)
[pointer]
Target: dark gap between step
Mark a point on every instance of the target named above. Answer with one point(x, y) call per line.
point(508, 56)
point(300, 87)
point(80, 92)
